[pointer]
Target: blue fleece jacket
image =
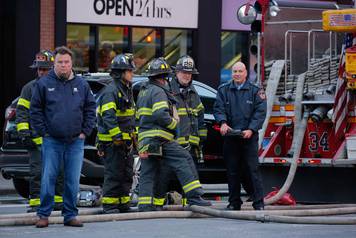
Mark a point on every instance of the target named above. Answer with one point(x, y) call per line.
point(62, 108)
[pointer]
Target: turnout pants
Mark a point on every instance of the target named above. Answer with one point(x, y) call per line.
point(176, 158)
point(35, 180)
point(165, 176)
point(241, 159)
point(118, 163)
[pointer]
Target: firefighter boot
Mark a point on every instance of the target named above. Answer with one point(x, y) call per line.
point(198, 201)
point(146, 208)
point(124, 207)
point(110, 209)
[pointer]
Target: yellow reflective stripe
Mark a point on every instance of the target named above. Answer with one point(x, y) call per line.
point(23, 126)
point(108, 137)
point(125, 199)
point(192, 185)
point(114, 131)
point(199, 107)
point(184, 202)
point(58, 199)
point(104, 137)
point(35, 202)
point(182, 111)
point(143, 149)
point(159, 105)
point(126, 136)
point(182, 141)
point(203, 132)
point(154, 133)
point(144, 111)
point(144, 200)
point(173, 124)
point(108, 106)
point(126, 113)
point(194, 140)
point(37, 140)
point(158, 201)
point(110, 200)
point(24, 102)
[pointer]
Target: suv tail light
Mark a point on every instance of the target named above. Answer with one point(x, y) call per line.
point(10, 113)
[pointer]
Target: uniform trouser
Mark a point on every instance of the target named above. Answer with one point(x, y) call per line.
point(165, 176)
point(35, 179)
point(241, 159)
point(176, 158)
point(118, 174)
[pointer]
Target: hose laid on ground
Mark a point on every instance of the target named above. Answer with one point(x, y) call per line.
point(106, 217)
point(96, 211)
point(263, 216)
point(294, 163)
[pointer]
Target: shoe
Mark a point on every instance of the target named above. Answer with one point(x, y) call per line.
point(146, 208)
point(124, 208)
point(42, 223)
point(74, 222)
point(232, 207)
point(198, 201)
point(159, 208)
point(259, 205)
point(111, 211)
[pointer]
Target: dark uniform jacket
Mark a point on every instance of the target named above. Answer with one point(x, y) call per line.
point(191, 114)
point(62, 108)
point(23, 113)
point(155, 113)
point(241, 109)
point(116, 112)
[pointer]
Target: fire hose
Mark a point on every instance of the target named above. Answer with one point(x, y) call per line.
point(308, 214)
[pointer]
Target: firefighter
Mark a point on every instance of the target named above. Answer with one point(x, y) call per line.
point(241, 106)
point(158, 124)
point(116, 127)
point(191, 128)
point(30, 139)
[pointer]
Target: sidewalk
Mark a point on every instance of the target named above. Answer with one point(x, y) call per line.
point(6, 186)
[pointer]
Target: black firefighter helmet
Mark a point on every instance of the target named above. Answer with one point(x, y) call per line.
point(43, 59)
point(157, 67)
point(186, 64)
point(123, 62)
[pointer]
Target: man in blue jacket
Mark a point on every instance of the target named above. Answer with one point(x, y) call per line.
point(62, 112)
point(241, 106)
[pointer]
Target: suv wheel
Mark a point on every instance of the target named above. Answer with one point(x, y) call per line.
point(22, 187)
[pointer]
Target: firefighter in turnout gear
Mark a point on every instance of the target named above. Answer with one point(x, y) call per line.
point(116, 135)
point(29, 138)
point(158, 125)
point(191, 128)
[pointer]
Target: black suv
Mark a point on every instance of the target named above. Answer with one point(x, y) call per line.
point(14, 158)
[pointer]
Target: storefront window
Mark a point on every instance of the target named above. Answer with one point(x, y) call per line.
point(177, 43)
point(144, 43)
point(112, 41)
point(234, 48)
point(78, 42)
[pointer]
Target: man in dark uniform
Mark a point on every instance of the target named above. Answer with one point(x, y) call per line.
point(240, 105)
point(158, 120)
point(30, 139)
point(191, 129)
point(116, 126)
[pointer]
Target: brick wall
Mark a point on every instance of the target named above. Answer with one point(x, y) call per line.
point(47, 24)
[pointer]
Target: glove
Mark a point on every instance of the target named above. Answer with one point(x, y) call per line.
point(26, 140)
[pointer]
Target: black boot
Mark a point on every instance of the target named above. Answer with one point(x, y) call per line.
point(146, 208)
point(198, 201)
point(124, 207)
point(110, 209)
point(258, 205)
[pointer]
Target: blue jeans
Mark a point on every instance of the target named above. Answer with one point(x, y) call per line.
point(55, 152)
